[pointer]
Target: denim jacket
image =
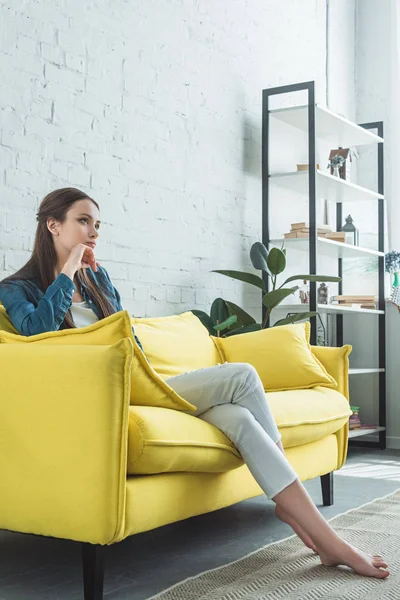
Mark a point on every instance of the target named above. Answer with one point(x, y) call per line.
point(33, 312)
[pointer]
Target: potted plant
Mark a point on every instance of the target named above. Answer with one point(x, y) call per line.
point(231, 319)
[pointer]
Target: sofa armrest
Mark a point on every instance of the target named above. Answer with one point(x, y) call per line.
point(63, 439)
point(336, 362)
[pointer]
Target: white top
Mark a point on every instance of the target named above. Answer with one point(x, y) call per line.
point(83, 314)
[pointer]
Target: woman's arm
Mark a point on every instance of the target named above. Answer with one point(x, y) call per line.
point(50, 311)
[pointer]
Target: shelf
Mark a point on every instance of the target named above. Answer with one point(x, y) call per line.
point(364, 371)
point(329, 187)
point(333, 128)
point(328, 308)
point(358, 432)
point(329, 248)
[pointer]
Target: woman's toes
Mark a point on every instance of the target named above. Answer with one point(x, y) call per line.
point(379, 562)
point(382, 573)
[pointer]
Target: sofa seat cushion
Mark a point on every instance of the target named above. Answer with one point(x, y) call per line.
point(162, 440)
point(304, 416)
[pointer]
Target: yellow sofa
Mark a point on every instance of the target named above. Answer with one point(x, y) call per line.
point(79, 462)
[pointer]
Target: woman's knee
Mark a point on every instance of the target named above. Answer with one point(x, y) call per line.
point(248, 375)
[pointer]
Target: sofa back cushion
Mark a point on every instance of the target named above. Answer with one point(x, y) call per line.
point(176, 344)
point(147, 387)
point(281, 355)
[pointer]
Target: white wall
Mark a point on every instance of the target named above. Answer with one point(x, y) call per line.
point(154, 109)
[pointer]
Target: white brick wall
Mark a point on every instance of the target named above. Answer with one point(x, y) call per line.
point(154, 109)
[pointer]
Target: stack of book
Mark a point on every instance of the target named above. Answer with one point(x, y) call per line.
point(354, 420)
point(301, 230)
point(360, 301)
point(337, 236)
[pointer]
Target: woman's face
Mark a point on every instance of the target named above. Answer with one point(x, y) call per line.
point(80, 227)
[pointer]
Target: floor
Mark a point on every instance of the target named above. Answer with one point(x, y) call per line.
point(36, 568)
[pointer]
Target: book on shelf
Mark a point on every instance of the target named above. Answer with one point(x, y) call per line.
point(302, 230)
point(348, 304)
point(304, 225)
point(297, 234)
point(336, 236)
point(366, 299)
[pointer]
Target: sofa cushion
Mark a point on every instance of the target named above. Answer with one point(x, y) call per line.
point(162, 440)
point(5, 321)
point(336, 362)
point(147, 387)
point(281, 356)
point(176, 344)
point(305, 416)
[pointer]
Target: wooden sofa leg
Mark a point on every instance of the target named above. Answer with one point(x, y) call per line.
point(327, 489)
point(93, 571)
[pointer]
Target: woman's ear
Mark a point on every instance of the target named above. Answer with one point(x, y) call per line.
point(52, 226)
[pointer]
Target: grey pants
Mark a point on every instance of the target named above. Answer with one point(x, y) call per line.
point(231, 396)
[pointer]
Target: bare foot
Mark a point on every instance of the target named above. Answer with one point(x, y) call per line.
point(305, 538)
point(361, 563)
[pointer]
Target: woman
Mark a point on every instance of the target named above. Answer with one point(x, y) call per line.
point(62, 286)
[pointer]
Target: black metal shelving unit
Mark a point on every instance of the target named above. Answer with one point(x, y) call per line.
point(309, 115)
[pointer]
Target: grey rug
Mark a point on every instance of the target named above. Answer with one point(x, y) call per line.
point(288, 570)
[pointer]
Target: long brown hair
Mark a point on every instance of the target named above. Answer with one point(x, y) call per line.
point(41, 266)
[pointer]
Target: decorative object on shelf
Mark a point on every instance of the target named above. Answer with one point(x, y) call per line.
point(305, 167)
point(304, 293)
point(340, 162)
point(351, 231)
point(323, 294)
point(354, 419)
point(232, 319)
point(392, 265)
point(335, 163)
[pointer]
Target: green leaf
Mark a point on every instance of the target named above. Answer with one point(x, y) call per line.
point(275, 297)
point(227, 323)
point(219, 311)
point(205, 319)
point(276, 261)
point(312, 278)
point(295, 318)
point(247, 329)
point(246, 277)
point(259, 257)
point(243, 317)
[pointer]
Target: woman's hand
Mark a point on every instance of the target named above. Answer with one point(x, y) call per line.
point(81, 257)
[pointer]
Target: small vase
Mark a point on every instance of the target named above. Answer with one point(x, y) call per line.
point(336, 171)
point(395, 291)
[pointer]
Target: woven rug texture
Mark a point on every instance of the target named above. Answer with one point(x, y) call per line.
point(287, 570)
